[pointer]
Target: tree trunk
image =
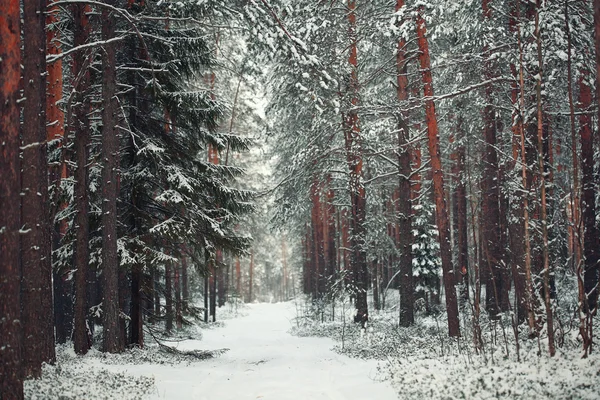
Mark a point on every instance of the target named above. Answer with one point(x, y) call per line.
point(588, 198)
point(206, 294)
point(492, 248)
point(168, 297)
point(37, 312)
point(110, 150)
point(185, 287)
point(529, 292)
point(590, 240)
point(542, 168)
point(251, 277)
point(353, 144)
point(460, 210)
point(212, 287)
point(11, 372)
point(136, 325)
point(438, 178)
point(178, 308)
point(222, 296)
point(238, 277)
point(404, 203)
point(516, 227)
point(284, 284)
point(81, 127)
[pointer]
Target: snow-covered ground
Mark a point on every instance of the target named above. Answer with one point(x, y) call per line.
point(263, 362)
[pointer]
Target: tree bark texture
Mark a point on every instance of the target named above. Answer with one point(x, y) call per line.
point(11, 373)
point(81, 127)
point(110, 160)
point(168, 296)
point(37, 316)
point(496, 290)
point(353, 144)
point(404, 203)
point(438, 177)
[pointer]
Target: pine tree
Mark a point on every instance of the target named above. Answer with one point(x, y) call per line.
point(11, 372)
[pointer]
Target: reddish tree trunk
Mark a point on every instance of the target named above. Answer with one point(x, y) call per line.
point(438, 178)
point(54, 114)
point(251, 277)
point(11, 373)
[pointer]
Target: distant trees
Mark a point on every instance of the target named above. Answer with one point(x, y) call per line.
point(496, 132)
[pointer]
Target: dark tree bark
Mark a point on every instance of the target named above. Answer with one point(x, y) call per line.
point(37, 311)
point(591, 266)
point(206, 290)
point(185, 289)
point(460, 211)
point(441, 210)
point(11, 372)
point(178, 309)
point(496, 290)
point(168, 296)
point(222, 295)
point(110, 160)
point(136, 325)
point(81, 83)
point(404, 199)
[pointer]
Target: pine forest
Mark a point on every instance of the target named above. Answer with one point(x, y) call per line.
point(277, 199)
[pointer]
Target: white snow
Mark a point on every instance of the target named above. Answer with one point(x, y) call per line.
point(265, 362)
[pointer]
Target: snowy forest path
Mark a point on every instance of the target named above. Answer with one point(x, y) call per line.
point(265, 362)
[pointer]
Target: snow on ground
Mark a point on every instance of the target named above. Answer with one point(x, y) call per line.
point(263, 362)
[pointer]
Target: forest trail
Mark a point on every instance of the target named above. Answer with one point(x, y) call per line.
point(265, 362)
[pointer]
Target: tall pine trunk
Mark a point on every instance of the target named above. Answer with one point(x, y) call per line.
point(441, 211)
point(496, 292)
point(353, 144)
point(404, 196)
point(37, 312)
point(542, 168)
point(110, 161)
point(460, 210)
point(81, 127)
point(11, 373)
